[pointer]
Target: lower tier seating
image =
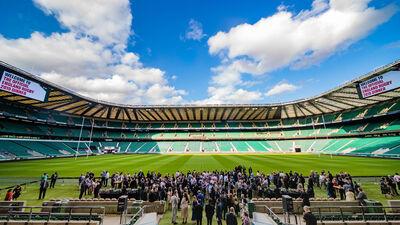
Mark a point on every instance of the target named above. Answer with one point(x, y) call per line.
point(374, 146)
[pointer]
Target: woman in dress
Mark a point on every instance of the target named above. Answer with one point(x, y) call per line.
point(169, 195)
point(184, 208)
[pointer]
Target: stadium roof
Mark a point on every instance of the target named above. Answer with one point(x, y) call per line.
point(338, 99)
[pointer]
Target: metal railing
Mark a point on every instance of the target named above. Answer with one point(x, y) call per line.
point(135, 217)
point(342, 214)
point(356, 213)
point(47, 213)
point(274, 217)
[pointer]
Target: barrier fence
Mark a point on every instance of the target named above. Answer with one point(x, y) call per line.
point(48, 213)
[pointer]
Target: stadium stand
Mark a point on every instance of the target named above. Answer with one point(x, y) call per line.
point(66, 124)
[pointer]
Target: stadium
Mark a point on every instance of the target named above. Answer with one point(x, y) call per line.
point(309, 134)
point(94, 132)
point(66, 124)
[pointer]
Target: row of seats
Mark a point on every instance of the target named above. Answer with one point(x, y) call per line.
point(25, 149)
point(34, 114)
point(389, 146)
point(18, 128)
point(377, 146)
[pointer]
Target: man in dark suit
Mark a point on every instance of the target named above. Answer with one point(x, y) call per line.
point(308, 217)
point(53, 179)
point(210, 209)
point(231, 217)
point(219, 211)
point(43, 188)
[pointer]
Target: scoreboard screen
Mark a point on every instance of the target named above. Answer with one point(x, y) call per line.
point(379, 84)
point(19, 85)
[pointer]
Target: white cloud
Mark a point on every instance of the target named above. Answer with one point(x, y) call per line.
point(285, 39)
point(194, 31)
point(113, 89)
point(163, 94)
point(300, 40)
point(108, 20)
point(63, 53)
point(280, 88)
point(393, 45)
point(229, 95)
point(91, 57)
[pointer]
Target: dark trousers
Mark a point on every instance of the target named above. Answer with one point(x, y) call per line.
point(42, 193)
point(52, 183)
point(224, 211)
point(198, 221)
point(209, 221)
point(83, 190)
point(219, 221)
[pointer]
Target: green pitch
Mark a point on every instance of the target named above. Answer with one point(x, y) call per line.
point(304, 163)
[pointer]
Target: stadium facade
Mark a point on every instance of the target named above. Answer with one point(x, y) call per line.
point(39, 119)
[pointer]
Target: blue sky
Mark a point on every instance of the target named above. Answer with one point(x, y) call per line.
point(200, 51)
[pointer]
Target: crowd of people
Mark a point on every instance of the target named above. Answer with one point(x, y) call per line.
point(15, 193)
point(390, 184)
point(221, 193)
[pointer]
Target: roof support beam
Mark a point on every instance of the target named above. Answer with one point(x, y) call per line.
point(95, 112)
point(179, 114)
point(75, 107)
point(118, 112)
point(250, 115)
point(127, 114)
point(142, 115)
point(256, 114)
point(136, 114)
point(286, 113)
point(342, 102)
point(147, 113)
point(87, 110)
point(266, 114)
point(187, 114)
point(318, 107)
point(223, 114)
point(109, 112)
point(156, 111)
point(230, 113)
point(301, 108)
point(325, 104)
point(65, 104)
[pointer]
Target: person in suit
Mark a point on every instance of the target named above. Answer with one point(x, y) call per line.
point(231, 217)
point(82, 189)
point(43, 188)
point(308, 217)
point(194, 203)
point(198, 211)
point(174, 205)
point(361, 196)
point(97, 187)
point(210, 209)
point(53, 179)
point(219, 211)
